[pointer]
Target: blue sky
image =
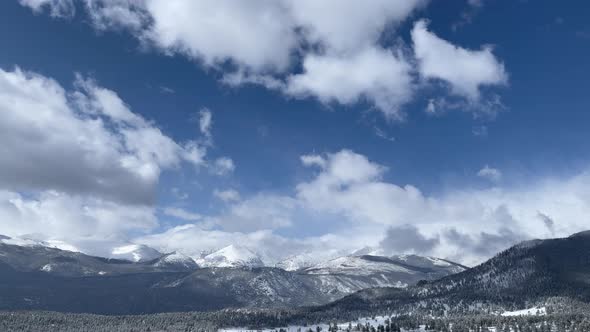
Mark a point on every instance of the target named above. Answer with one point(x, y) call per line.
point(534, 132)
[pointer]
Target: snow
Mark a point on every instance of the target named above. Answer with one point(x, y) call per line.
point(378, 320)
point(178, 259)
point(438, 261)
point(31, 242)
point(356, 266)
point(47, 268)
point(232, 256)
point(535, 311)
point(135, 253)
point(298, 262)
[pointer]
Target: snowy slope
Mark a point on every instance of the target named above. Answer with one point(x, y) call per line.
point(232, 256)
point(536, 311)
point(176, 261)
point(357, 265)
point(31, 242)
point(135, 253)
point(298, 262)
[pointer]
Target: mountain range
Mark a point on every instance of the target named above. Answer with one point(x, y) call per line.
point(34, 275)
point(552, 273)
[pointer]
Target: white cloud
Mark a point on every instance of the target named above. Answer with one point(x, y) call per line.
point(181, 214)
point(79, 165)
point(229, 195)
point(57, 8)
point(466, 71)
point(490, 173)
point(257, 35)
point(222, 166)
point(259, 212)
point(85, 141)
point(262, 41)
point(63, 216)
point(350, 194)
point(205, 122)
point(374, 74)
point(348, 26)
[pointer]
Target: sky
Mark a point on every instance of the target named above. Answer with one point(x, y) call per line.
point(446, 128)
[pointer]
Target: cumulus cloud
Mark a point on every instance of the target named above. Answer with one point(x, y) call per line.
point(85, 141)
point(262, 42)
point(375, 75)
point(347, 191)
point(466, 71)
point(79, 165)
point(490, 173)
point(64, 216)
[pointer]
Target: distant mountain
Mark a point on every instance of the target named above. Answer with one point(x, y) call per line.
point(57, 262)
point(108, 249)
point(175, 262)
point(232, 256)
point(39, 277)
point(298, 262)
point(135, 253)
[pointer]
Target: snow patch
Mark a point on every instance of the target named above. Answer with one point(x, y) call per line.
point(535, 311)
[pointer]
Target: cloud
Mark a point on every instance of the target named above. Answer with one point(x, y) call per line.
point(64, 216)
point(407, 238)
point(259, 212)
point(345, 26)
point(480, 131)
point(547, 221)
point(85, 141)
point(181, 214)
point(345, 200)
point(483, 244)
point(223, 166)
point(79, 166)
point(57, 8)
point(262, 42)
point(489, 173)
point(229, 195)
point(205, 122)
point(376, 75)
point(466, 71)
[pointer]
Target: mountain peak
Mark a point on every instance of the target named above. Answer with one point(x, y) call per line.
point(232, 256)
point(135, 252)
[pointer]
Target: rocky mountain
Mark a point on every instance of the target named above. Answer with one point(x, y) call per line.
point(39, 277)
point(531, 274)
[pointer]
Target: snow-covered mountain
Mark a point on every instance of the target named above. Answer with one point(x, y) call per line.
point(232, 256)
point(100, 248)
point(358, 265)
point(234, 277)
point(534, 273)
point(298, 262)
point(135, 253)
point(176, 261)
point(31, 241)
